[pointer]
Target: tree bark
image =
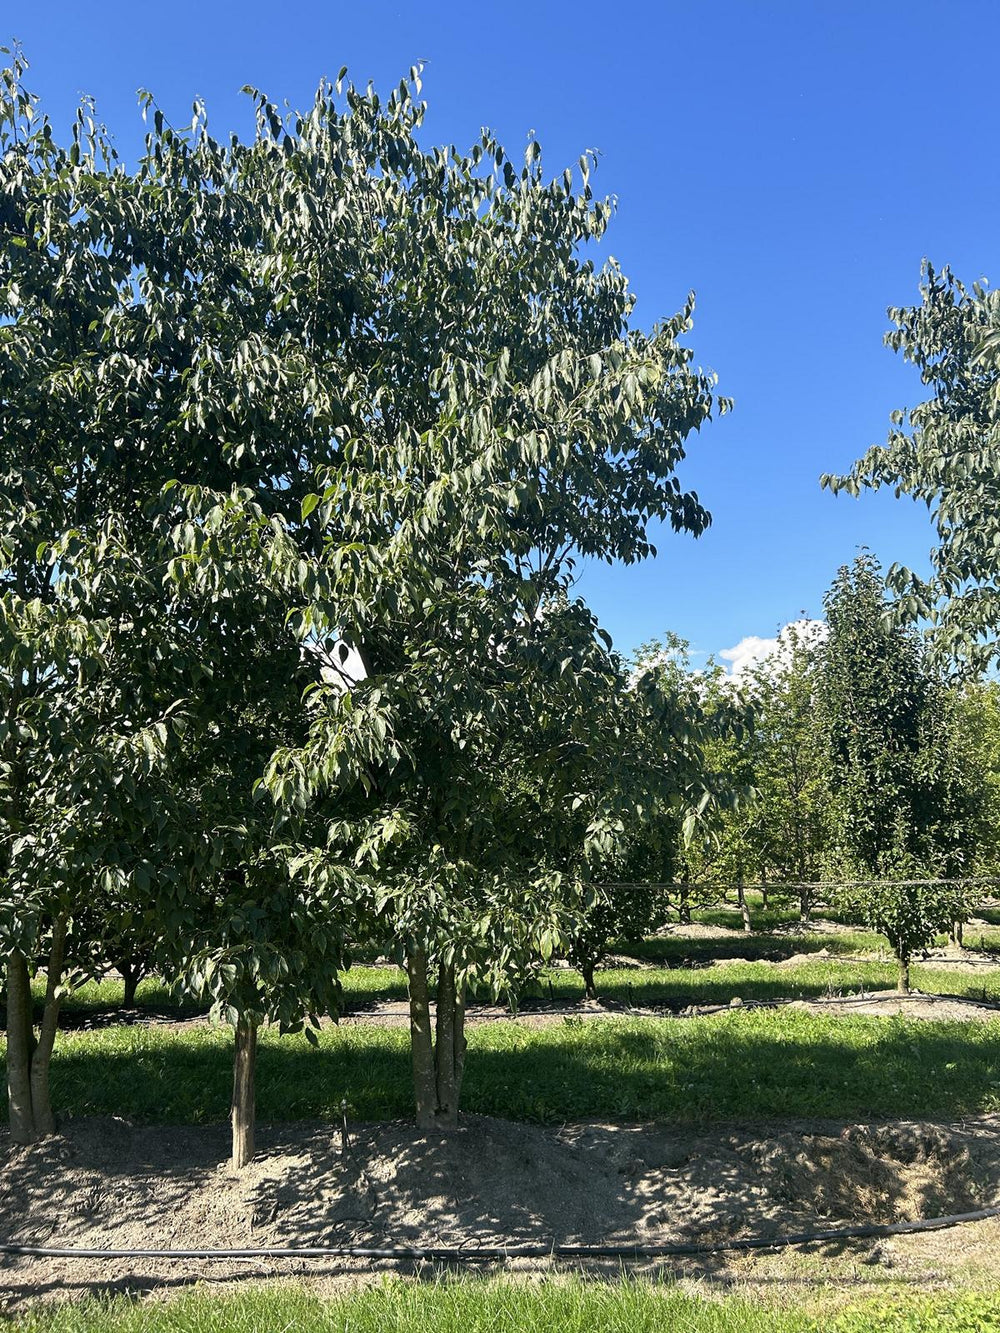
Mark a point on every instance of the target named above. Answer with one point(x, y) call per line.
point(446, 1114)
point(20, 1048)
point(684, 906)
point(744, 909)
point(41, 1103)
point(957, 933)
point(460, 1043)
point(903, 974)
point(805, 906)
point(131, 975)
point(244, 1107)
point(28, 1057)
point(421, 1039)
point(590, 988)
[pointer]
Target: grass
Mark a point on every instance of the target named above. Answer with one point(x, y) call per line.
point(734, 1065)
point(501, 1306)
point(700, 983)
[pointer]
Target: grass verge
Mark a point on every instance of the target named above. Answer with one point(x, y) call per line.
point(498, 1306)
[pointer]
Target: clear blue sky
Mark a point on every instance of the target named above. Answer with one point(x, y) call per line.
point(792, 162)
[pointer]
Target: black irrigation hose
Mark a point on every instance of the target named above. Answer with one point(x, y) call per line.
point(470, 1253)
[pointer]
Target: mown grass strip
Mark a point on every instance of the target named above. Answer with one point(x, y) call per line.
point(727, 1066)
point(499, 1306)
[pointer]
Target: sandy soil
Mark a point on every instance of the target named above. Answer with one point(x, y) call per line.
point(105, 1183)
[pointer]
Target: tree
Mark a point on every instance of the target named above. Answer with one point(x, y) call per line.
point(789, 773)
point(945, 453)
point(151, 389)
point(896, 810)
point(503, 419)
point(390, 373)
point(651, 765)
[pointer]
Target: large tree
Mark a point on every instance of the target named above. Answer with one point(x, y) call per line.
point(501, 418)
point(387, 384)
point(154, 397)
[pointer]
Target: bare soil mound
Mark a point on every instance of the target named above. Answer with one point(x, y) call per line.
point(106, 1184)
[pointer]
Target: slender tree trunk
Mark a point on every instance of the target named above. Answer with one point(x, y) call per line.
point(421, 1039)
point(805, 906)
point(41, 1103)
point(741, 898)
point(684, 905)
point(445, 1049)
point(957, 933)
point(20, 1048)
point(460, 1043)
point(244, 1107)
point(590, 987)
point(903, 974)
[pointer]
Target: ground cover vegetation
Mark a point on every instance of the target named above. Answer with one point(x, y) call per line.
point(626, 1307)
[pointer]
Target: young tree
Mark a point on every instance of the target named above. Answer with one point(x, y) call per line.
point(789, 777)
point(898, 814)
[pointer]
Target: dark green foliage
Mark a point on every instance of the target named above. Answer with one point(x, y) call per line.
point(901, 807)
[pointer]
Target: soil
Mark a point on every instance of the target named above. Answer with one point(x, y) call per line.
point(104, 1183)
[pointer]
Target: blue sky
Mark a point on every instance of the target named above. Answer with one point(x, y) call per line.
point(792, 162)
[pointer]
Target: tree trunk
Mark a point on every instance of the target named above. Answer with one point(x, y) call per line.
point(744, 909)
point(20, 1048)
point(903, 974)
point(460, 1043)
point(244, 1109)
point(131, 975)
point(684, 906)
point(41, 1104)
point(28, 1057)
point(446, 1049)
point(805, 906)
point(421, 1040)
point(590, 988)
point(438, 1057)
point(957, 933)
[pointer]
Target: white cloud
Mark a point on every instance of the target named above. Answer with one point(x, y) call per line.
point(753, 648)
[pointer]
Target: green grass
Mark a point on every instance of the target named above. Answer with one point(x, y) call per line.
point(699, 983)
point(472, 1305)
point(761, 981)
point(739, 1064)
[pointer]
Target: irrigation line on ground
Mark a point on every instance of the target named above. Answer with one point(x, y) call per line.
point(470, 1252)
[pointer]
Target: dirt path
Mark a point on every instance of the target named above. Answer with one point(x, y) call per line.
point(107, 1184)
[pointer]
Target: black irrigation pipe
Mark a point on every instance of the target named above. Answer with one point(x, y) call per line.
point(470, 1253)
